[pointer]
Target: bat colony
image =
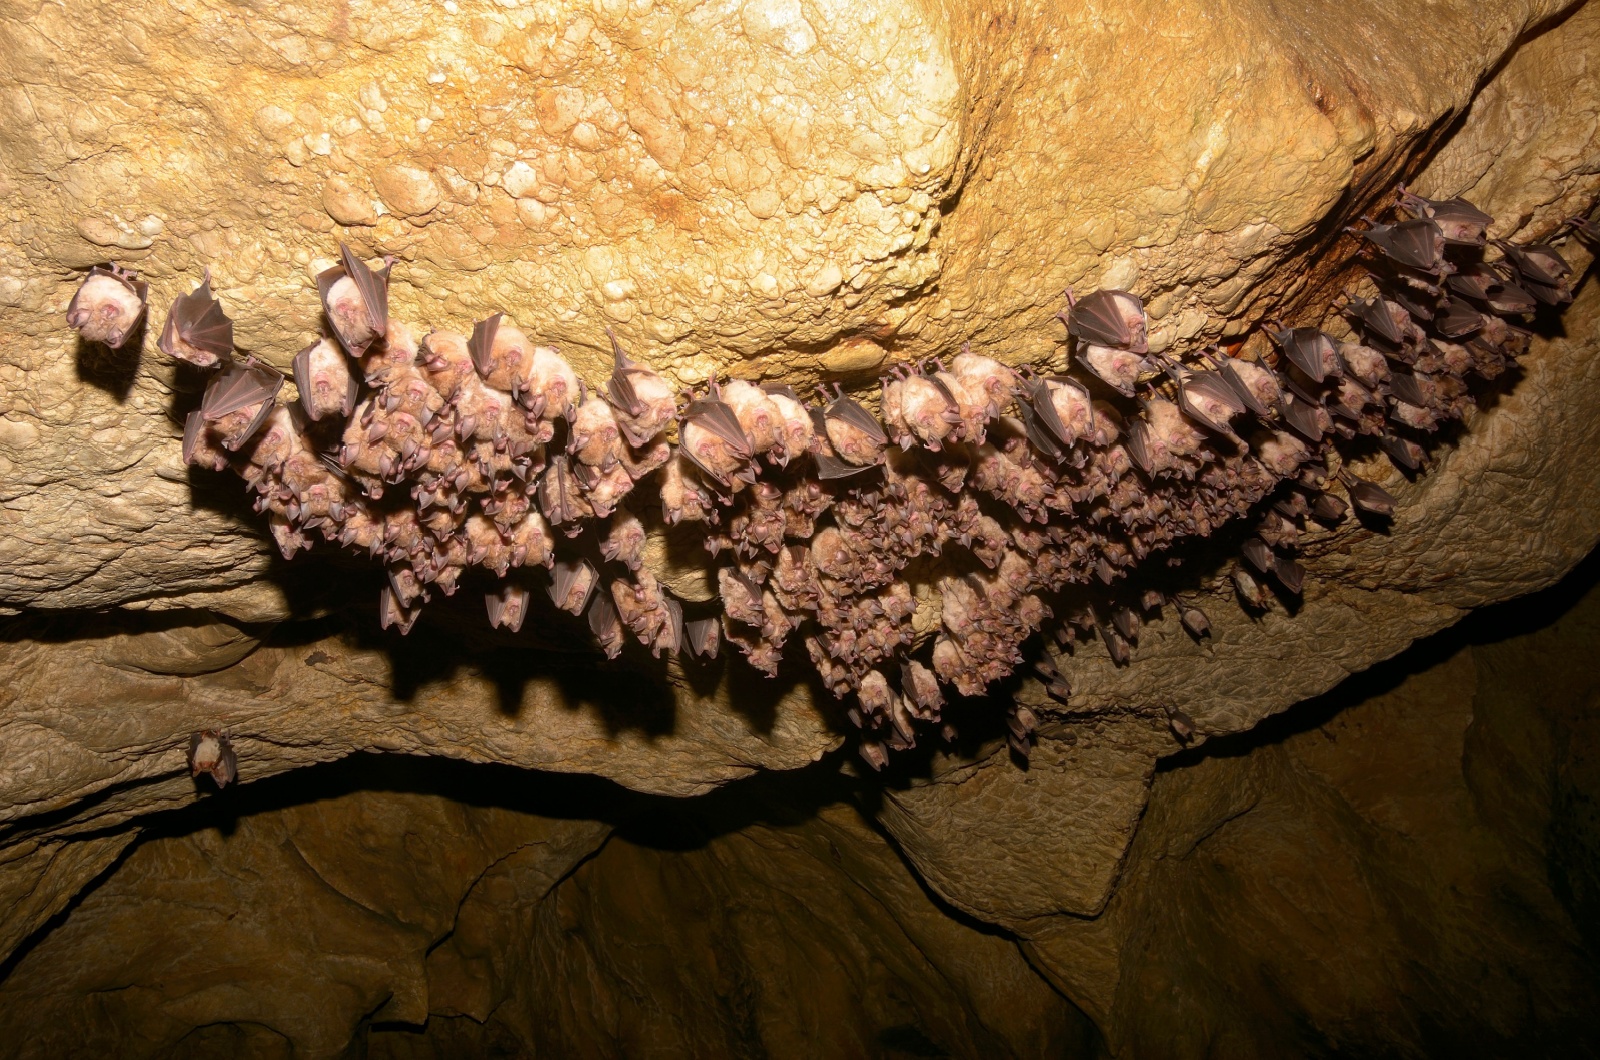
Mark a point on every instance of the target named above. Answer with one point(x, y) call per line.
point(442, 452)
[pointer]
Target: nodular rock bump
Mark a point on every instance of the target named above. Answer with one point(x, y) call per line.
point(440, 453)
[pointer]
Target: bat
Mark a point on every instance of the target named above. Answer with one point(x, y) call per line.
point(1403, 451)
point(446, 361)
point(645, 403)
point(507, 607)
point(670, 638)
point(985, 376)
point(1538, 263)
point(1460, 222)
point(1257, 554)
point(796, 431)
point(499, 354)
point(1117, 368)
point(709, 434)
point(624, 540)
point(356, 300)
point(1410, 388)
point(197, 330)
point(1364, 364)
point(211, 751)
point(201, 446)
point(1307, 419)
point(704, 636)
point(1328, 508)
point(561, 499)
point(595, 439)
point(322, 376)
point(873, 754)
point(1416, 244)
point(238, 401)
point(741, 597)
point(606, 625)
point(1108, 318)
point(1194, 621)
point(1249, 590)
point(1056, 686)
point(1309, 350)
point(1378, 318)
point(920, 688)
point(1126, 623)
point(1290, 574)
point(392, 613)
point(1207, 398)
point(857, 438)
point(109, 305)
point(1368, 497)
point(572, 582)
point(757, 415)
point(1457, 319)
point(1116, 645)
point(1182, 725)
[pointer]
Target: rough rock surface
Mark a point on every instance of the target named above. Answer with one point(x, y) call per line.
point(839, 187)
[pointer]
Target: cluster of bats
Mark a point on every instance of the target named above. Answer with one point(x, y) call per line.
point(1001, 485)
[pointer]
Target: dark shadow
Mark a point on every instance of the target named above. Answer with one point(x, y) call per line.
point(113, 371)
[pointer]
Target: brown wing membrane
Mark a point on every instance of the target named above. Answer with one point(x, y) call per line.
point(620, 387)
point(564, 576)
point(718, 417)
point(1098, 319)
point(239, 386)
point(704, 636)
point(831, 467)
point(374, 288)
point(197, 318)
point(851, 411)
point(482, 342)
point(604, 622)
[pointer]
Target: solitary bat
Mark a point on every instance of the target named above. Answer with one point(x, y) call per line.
point(507, 607)
point(1249, 590)
point(197, 330)
point(356, 300)
point(1403, 451)
point(1182, 725)
point(1108, 318)
point(1194, 621)
point(109, 305)
point(1290, 574)
point(210, 751)
point(238, 402)
point(1328, 508)
point(323, 377)
point(1258, 554)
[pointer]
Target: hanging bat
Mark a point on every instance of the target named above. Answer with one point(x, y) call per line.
point(1416, 244)
point(392, 613)
point(1116, 645)
point(1056, 686)
point(1182, 725)
point(501, 353)
point(795, 429)
point(356, 300)
point(1249, 590)
point(1290, 574)
point(507, 607)
point(572, 581)
point(561, 498)
point(669, 639)
point(758, 416)
point(446, 360)
point(987, 378)
point(1126, 623)
point(704, 636)
point(921, 689)
point(1539, 263)
point(710, 435)
point(1378, 318)
point(1328, 508)
point(323, 377)
point(1308, 419)
point(1309, 350)
point(857, 438)
point(238, 401)
point(1403, 451)
point(596, 437)
point(644, 401)
point(1207, 398)
point(1460, 222)
point(606, 625)
point(197, 330)
point(1108, 318)
point(1368, 497)
point(210, 751)
point(624, 540)
point(1365, 364)
point(1194, 621)
point(109, 305)
point(201, 446)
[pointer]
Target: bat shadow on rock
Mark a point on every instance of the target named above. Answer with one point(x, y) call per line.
point(113, 371)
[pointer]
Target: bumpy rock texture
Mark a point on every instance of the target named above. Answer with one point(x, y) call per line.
point(788, 190)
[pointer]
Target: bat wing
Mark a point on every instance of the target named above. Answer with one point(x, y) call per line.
point(197, 318)
point(620, 387)
point(1375, 318)
point(495, 604)
point(570, 573)
point(301, 366)
point(1044, 437)
point(1301, 351)
point(851, 411)
point(1298, 415)
point(374, 288)
point(784, 390)
point(672, 633)
point(1371, 497)
point(1097, 318)
point(1404, 386)
point(1257, 554)
point(1457, 319)
point(1139, 444)
point(481, 345)
point(705, 636)
point(831, 467)
point(193, 426)
point(1245, 395)
point(237, 387)
point(718, 417)
point(604, 622)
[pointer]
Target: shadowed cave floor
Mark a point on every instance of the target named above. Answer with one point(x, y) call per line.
point(1407, 866)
